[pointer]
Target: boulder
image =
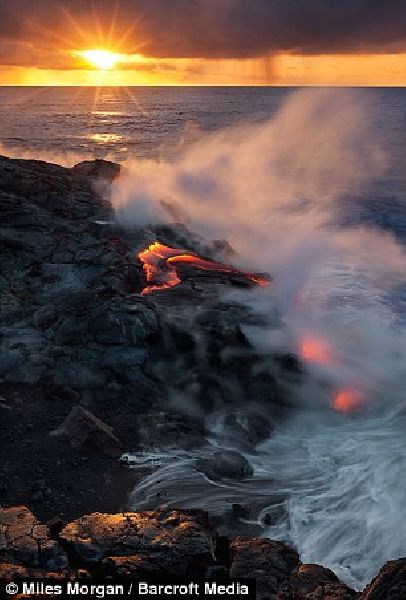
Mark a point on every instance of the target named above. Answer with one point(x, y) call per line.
point(389, 584)
point(227, 464)
point(313, 582)
point(164, 542)
point(171, 543)
point(245, 431)
point(157, 430)
point(270, 563)
point(85, 431)
point(97, 169)
point(25, 541)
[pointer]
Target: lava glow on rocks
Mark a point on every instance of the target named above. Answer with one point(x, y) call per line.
point(347, 400)
point(160, 267)
point(316, 351)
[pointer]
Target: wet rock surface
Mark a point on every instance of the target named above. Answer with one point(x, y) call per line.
point(227, 464)
point(171, 542)
point(390, 583)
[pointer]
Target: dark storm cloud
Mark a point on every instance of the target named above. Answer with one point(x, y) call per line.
point(209, 28)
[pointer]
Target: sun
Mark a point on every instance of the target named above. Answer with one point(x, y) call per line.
point(105, 60)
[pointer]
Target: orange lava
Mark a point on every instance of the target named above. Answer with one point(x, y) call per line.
point(159, 264)
point(347, 399)
point(315, 350)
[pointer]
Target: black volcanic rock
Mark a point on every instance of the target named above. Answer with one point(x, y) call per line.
point(270, 563)
point(172, 543)
point(98, 169)
point(389, 584)
point(227, 464)
point(165, 542)
point(71, 332)
point(25, 541)
point(85, 431)
point(75, 331)
point(313, 582)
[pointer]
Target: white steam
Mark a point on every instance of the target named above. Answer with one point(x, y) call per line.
point(275, 191)
point(243, 181)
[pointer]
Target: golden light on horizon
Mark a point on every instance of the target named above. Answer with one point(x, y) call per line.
point(105, 60)
point(98, 65)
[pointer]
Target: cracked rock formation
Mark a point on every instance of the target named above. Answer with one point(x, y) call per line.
point(25, 541)
point(173, 543)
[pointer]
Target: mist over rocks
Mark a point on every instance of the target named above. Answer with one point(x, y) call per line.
point(84, 354)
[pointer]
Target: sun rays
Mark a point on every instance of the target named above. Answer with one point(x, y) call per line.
point(102, 59)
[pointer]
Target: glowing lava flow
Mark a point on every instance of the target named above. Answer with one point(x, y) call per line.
point(315, 350)
point(160, 262)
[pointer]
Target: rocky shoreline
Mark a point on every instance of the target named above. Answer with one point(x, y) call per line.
point(88, 369)
point(87, 361)
point(170, 543)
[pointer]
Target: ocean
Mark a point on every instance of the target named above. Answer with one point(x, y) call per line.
point(158, 122)
point(124, 122)
point(311, 186)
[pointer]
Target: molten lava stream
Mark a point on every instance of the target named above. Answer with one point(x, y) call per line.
point(159, 264)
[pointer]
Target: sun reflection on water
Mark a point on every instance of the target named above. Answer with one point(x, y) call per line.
point(105, 138)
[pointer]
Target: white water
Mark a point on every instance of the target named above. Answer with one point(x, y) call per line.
point(346, 491)
point(332, 484)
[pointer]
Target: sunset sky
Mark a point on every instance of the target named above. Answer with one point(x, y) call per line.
point(202, 42)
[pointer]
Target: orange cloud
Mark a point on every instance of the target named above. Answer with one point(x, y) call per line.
point(368, 70)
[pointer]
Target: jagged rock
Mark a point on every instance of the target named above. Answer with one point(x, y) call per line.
point(171, 541)
point(11, 572)
point(389, 584)
point(132, 566)
point(330, 591)
point(85, 431)
point(313, 582)
point(270, 563)
point(98, 169)
point(49, 186)
point(25, 541)
point(167, 430)
point(10, 359)
point(225, 463)
point(240, 511)
point(245, 431)
point(80, 375)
